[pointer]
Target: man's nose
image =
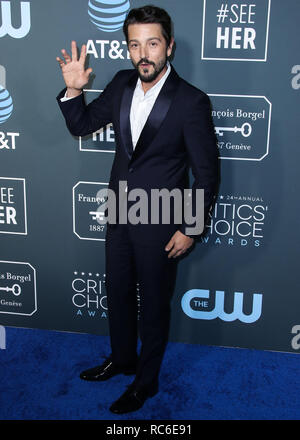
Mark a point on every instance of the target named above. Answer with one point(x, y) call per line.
point(143, 52)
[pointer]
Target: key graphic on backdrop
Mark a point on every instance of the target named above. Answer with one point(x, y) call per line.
point(15, 289)
point(245, 129)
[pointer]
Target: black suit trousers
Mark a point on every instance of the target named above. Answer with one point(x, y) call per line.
point(128, 262)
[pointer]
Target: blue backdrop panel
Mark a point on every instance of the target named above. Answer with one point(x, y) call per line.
point(240, 285)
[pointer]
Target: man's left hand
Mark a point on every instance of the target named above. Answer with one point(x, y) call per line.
point(178, 244)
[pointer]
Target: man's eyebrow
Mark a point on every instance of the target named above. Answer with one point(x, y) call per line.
point(148, 39)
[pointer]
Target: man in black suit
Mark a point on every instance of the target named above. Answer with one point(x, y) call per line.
point(162, 126)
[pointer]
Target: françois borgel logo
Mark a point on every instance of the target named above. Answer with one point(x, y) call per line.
point(235, 31)
point(198, 304)
point(17, 288)
point(13, 216)
point(242, 125)
point(108, 15)
point(236, 220)
point(102, 140)
point(15, 12)
point(86, 212)
point(7, 138)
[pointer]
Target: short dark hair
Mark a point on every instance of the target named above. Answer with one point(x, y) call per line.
point(149, 14)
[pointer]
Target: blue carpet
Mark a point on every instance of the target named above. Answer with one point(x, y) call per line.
point(39, 381)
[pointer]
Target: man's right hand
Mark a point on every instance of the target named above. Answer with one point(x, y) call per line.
point(73, 70)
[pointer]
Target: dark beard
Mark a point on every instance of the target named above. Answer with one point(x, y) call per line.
point(158, 68)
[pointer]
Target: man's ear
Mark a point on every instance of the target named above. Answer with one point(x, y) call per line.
point(170, 47)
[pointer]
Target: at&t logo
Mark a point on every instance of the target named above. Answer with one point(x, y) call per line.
point(7, 28)
point(194, 301)
point(6, 104)
point(108, 15)
point(7, 139)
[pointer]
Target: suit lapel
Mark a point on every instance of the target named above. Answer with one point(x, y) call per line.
point(155, 119)
point(125, 114)
point(157, 114)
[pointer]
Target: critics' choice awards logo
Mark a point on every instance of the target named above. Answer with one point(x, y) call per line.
point(236, 221)
point(89, 294)
point(234, 31)
point(14, 12)
point(89, 297)
point(13, 216)
point(86, 211)
point(102, 140)
point(201, 304)
point(17, 288)
point(7, 138)
point(108, 15)
point(242, 125)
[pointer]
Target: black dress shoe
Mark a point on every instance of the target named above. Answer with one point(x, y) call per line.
point(106, 371)
point(132, 399)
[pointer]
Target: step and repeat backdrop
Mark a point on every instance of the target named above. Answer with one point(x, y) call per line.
point(239, 287)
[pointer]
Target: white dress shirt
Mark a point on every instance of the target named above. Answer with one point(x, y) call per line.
point(141, 105)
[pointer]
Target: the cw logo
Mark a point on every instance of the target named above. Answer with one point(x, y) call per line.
point(7, 28)
point(197, 296)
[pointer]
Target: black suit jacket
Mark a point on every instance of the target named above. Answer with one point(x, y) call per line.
point(178, 133)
